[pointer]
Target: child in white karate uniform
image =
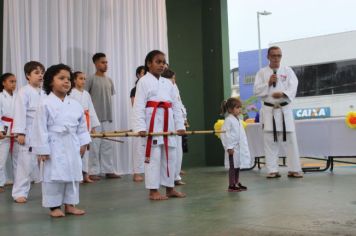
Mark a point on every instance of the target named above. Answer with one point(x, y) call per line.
point(7, 98)
point(138, 151)
point(61, 139)
point(26, 103)
point(156, 109)
point(83, 97)
point(169, 74)
point(234, 140)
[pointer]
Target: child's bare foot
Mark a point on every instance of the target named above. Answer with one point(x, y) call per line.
point(2, 189)
point(95, 177)
point(70, 209)
point(171, 192)
point(21, 200)
point(156, 196)
point(179, 182)
point(182, 172)
point(56, 213)
point(87, 179)
point(137, 178)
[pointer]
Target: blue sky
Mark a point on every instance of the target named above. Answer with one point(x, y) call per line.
point(290, 19)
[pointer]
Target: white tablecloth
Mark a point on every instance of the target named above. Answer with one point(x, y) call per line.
point(316, 138)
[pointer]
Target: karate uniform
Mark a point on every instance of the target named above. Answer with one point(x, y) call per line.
point(60, 130)
point(6, 144)
point(150, 90)
point(287, 83)
point(179, 138)
point(138, 149)
point(91, 118)
point(26, 104)
point(235, 138)
point(101, 155)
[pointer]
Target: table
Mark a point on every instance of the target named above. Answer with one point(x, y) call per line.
point(327, 138)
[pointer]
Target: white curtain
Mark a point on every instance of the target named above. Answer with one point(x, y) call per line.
point(71, 31)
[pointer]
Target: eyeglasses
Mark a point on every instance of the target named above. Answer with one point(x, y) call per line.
point(276, 55)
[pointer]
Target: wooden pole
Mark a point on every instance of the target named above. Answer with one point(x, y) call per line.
point(133, 134)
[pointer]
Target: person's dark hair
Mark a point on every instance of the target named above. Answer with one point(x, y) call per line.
point(229, 104)
point(49, 75)
point(150, 57)
point(31, 66)
point(168, 73)
point(4, 77)
point(74, 77)
point(272, 48)
point(138, 71)
point(97, 56)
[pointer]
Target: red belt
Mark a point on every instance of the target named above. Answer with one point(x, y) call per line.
point(12, 139)
point(87, 118)
point(155, 105)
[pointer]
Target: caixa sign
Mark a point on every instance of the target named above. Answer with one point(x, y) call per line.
point(311, 113)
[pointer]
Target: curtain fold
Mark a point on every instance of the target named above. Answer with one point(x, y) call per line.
point(71, 31)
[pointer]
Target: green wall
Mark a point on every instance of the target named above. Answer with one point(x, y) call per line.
point(198, 53)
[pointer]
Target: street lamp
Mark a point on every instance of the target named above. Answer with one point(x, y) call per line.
point(263, 13)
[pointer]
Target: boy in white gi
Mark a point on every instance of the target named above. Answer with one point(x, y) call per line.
point(61, 139)
point(169, 74)
point(234, 140)
point(277, 86)
point(26, 103)
point(156, 109)
point(7, 98)
point(138, 151)
point(83, 97)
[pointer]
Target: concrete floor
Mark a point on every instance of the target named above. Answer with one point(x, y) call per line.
point(319, 204)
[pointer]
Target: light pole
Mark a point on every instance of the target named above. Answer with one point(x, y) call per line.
point(263, 13)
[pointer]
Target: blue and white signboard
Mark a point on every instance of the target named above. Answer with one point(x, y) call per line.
point(311, 113)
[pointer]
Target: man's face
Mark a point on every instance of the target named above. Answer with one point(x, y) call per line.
point(274, 57)
point(101, 64)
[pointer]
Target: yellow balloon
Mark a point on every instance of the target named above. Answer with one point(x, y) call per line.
point(218, 125)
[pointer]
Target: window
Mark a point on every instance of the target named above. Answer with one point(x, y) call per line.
point(325, 79)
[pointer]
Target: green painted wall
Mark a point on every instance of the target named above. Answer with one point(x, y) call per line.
point(198, 52)
point(184, 18)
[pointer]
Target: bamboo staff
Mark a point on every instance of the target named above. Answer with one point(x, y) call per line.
point(133, 134)
point(114, 140)
point(107, 135)
point(102, 137)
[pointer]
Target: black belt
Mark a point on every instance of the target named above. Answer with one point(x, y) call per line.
point(274, 122)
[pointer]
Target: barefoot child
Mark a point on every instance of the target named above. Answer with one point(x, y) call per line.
point(235, 143)
point(26, 102)
point(83, 97)
point(138, 151)
point(61, 138)
point(169, 74)
point(7, 98)
point(156, 109)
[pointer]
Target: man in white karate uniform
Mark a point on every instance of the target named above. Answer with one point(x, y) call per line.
point(277, 87)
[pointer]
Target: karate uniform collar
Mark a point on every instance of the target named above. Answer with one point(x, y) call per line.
point(53, 97)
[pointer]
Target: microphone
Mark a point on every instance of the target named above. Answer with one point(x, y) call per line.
point(274, 72)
